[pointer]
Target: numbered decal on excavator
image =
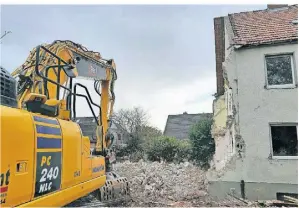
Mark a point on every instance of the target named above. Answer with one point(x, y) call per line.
point(48, 156)
point(48, 172)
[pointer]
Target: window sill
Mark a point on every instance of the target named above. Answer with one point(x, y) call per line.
point(270, 87)
point(285, 157)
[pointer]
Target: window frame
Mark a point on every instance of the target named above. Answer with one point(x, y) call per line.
point(271, 142)
point(282, 86)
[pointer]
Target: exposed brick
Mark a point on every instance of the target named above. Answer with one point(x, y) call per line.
point(219, 52)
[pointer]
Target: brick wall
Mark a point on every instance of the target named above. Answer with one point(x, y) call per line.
point(219, 34)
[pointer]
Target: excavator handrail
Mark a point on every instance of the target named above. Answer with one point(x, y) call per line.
point(37, 64)
point(89, 100)
point(81, 85)
point(80, 95)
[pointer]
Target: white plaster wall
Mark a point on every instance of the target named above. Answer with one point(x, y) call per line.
point(223, 150)
point(257, 107)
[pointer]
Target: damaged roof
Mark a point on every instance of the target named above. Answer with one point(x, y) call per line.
point(265, 26)
point(178, 126)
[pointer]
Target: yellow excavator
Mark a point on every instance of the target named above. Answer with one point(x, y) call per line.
point(45, 158)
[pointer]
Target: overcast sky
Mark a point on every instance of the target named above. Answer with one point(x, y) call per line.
point(164, 54)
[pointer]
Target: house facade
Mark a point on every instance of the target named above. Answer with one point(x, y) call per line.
point(88, 127)
point(256, 108)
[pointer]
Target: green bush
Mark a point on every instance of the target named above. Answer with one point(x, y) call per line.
point(121, 152)
point(161, 148)
point(183, 151)
point(136, 156)
point(134, 143)
point(168, 149)
point(202, 143)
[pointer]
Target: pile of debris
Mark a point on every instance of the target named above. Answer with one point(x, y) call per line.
point(160, 184)
point(154, 184)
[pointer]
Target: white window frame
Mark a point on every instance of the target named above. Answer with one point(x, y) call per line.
point(282, 86)
point(271, 143)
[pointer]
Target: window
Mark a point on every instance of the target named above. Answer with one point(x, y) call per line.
point(284, 141)
point(280, 71)
point(119, 136)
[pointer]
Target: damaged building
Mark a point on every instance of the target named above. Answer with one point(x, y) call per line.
point(255, 110)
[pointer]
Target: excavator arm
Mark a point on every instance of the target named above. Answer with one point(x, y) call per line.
point(49, 72)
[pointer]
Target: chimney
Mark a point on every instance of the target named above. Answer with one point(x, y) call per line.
point(219, 34)
point(276, 6)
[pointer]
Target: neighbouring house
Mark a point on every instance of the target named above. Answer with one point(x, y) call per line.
point(88, 126)
point(178, 126)
point(121, 136)
point(256, 107)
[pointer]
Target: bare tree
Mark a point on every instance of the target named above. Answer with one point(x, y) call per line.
point(135, 122)
point(131, 120)
point(150, 132)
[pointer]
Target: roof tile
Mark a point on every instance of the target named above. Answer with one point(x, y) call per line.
point(265, 26)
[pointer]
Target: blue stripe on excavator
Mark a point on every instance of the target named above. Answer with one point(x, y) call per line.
point(48, 143)
point(48, 130)
point(45, 120)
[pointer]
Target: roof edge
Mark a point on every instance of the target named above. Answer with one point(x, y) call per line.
point(271, 43)
point(189, 114)
point(166, 125)
point(259, 10)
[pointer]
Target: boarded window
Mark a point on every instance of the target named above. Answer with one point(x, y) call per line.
point(279, 70)
point(284, 140)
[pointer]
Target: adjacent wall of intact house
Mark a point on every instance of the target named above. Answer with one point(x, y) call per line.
point(247, 124)
point(259, 106)
point(255, 107)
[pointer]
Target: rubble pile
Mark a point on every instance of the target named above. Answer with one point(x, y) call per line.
point(154, 184)
point(163, 183)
